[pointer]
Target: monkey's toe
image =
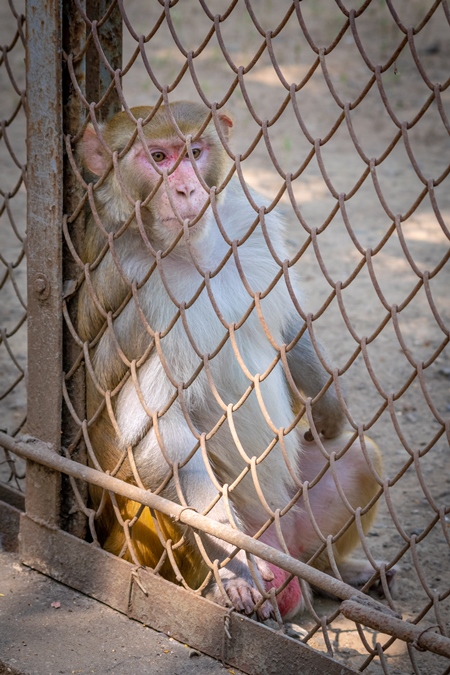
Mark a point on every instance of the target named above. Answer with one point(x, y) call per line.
point(245, 597)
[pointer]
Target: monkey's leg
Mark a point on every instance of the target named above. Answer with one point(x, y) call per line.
point(235, 578)
point(330, 512)
point(167, 454)
point(356, 480)
point(192, 485)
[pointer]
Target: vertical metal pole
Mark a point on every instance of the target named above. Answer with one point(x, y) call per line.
point(52, 191)
point(44, 181)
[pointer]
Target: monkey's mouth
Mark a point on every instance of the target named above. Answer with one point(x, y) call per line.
point(175, 221)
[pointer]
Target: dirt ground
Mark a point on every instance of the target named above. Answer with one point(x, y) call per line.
point(423, 314)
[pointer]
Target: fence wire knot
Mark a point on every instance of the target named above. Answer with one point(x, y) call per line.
point(177, 517)
point(226, 634)
point(415, 642)
point(135, 576)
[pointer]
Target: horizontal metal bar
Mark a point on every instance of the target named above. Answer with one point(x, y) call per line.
point(9, 526)
point(12, 496)
point(408, 632)
point(37, 451)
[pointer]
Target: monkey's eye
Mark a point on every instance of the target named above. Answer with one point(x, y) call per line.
point(158, 156)
point(196, 152)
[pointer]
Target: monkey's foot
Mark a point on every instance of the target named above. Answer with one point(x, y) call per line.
point(290, 599)
point(377, 586)
point(357, 573)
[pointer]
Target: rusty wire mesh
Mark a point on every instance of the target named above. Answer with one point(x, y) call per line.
point(335, 110)
point(13, 311)
point(371, 236)
point(355, 156)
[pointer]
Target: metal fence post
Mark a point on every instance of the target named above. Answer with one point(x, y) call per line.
point(45, 159)
point(51, 193)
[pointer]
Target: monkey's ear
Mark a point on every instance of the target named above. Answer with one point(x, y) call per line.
point(93, 152)
point(226, 122)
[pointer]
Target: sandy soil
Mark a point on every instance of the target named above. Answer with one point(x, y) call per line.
point(423, 321)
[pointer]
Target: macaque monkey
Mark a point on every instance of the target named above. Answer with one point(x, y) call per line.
point(196, 372)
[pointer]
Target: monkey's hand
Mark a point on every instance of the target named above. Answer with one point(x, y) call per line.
point(242, 593)
point(310, 377)
point(245, 596)
point(328, 416)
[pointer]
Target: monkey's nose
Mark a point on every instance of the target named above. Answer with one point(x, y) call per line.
point(186, 191)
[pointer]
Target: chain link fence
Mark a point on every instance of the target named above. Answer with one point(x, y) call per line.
point(13, 310)
point(340, 124)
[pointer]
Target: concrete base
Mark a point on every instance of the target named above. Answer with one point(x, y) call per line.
point(47, 628)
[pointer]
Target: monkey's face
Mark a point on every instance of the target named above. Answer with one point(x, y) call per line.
point(171, 178)
point(183, 192)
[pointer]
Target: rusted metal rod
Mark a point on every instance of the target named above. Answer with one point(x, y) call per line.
point(408, 632)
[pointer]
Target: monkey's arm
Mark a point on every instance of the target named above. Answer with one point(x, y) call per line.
point(310, 377)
